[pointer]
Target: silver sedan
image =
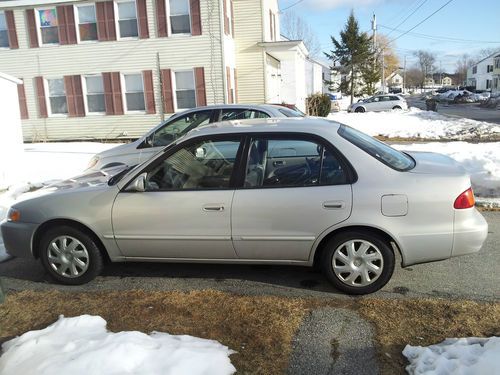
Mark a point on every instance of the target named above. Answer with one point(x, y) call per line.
point(278, 191)
point(379, 103)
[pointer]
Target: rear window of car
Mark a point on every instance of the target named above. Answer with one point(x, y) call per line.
point(384, 153)
point(290, 112)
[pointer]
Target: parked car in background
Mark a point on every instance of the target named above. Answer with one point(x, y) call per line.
point(179, 124)
point(277, 191)
point(379, 103)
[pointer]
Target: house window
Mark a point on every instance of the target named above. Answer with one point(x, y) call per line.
point(95, 94)
point(134, 92)
point(179, 17)
point(47, 19)
point(127, 19)
point(185, 89)
point(497, 63)
point(488, 84)
point(489, 68)
point(57, 96)
point(495, 83)
point(4, 34)
point(87, 22)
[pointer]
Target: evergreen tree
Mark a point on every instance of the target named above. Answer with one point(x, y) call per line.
point(370, 73)
point(353, 52)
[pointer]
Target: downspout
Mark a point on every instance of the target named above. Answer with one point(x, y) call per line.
point(264, 49)
point(223, 51)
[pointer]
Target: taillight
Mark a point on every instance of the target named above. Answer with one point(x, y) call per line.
point(465, 200)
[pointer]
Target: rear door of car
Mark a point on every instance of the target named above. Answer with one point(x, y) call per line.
point(228, 114)
point(294, 187)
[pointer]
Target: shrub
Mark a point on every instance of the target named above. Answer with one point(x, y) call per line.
point(318, 105)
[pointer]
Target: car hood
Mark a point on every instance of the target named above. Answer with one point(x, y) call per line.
point(434, 163)
point(121, 149)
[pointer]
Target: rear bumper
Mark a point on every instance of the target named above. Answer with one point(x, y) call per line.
point(17, 238)
point(470, 232)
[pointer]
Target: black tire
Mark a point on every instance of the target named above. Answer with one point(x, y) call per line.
point(93, 259)
point(397, 108)
point(359, 110)
point(380, 244)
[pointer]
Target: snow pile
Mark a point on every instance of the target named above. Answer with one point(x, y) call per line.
point(481, 160)
point(416, 123)
point(466, 356)
point(82, 346)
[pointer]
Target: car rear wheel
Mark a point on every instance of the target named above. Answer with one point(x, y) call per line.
point(70, 255)
point(397, 108)
point(358, 263)
point(359, 110)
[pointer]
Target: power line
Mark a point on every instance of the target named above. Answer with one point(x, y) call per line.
point(421, 22)
point(291, 6)
point(402, 11)
point(411, 14)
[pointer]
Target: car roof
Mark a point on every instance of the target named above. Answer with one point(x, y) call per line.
point(235, 106)
point(308, 125)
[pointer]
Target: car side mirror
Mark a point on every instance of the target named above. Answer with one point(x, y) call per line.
point(139, 184)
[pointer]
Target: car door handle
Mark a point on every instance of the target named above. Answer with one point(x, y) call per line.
point(213, 207)
point(334, 205)
point(279, 163)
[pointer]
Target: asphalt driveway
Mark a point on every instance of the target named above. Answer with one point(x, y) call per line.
point(473, 277)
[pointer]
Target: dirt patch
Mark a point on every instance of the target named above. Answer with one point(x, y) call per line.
point(424, 322)
point(260, 329)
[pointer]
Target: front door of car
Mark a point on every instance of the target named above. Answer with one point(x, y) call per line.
point(171, 131)
point(185, 209)
point(294, 189)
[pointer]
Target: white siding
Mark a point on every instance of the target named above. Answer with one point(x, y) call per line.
point(176, 52)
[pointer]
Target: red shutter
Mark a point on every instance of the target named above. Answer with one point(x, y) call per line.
point(235, 86)
point(161, 18)
point(199, 79)
point(117, 93)
point(30, 20)
point(195, 17)
point(271, 24)
point(229, 86)
point(142, 19)
point(108, 93)
point(226, 18)
point(61, 25)
point(105, 21)
point(168, 97)
point(70, 24)
point(40, 93)
point(70, 96)
point(78, 93)
point(11, 29)
point(232, 18)
point(23, 107)
point(149, 96)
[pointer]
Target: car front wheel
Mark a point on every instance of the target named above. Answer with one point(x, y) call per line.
point(358, 263)
point(70, 255)
point(359, 110)
point(397, 108)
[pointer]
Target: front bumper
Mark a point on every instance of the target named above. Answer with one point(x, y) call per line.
point(470, 232)
point(17, 238)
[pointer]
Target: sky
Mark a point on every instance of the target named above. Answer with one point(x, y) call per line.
point(475, 20)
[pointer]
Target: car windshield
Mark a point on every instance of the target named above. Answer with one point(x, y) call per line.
point(379, 150)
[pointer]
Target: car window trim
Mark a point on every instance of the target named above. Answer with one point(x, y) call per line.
point(351, 174)
point(173, 148)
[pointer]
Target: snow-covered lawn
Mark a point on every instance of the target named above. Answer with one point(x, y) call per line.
point(465, 356)
point(416, 123)
point(82, 345)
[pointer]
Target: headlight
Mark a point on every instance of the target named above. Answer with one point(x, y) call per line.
point(13, 215)
point(93, 162)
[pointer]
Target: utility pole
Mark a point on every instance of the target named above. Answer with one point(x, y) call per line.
point(383, 70)
point(404, 75)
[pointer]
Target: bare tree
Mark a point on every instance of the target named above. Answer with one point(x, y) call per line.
point(463, 63)
point(426, 64)
point(295, 28)
point(413, 78)
point(485, 52)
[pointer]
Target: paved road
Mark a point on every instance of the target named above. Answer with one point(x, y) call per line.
point(470, 110)
point(474, 276)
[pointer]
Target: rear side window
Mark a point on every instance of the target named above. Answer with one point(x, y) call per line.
point(379, 150)
point(291, 163)
point(291, 112)
point(242, 114)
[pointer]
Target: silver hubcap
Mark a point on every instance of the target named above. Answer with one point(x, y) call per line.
point(68, 256)
point(357, 263)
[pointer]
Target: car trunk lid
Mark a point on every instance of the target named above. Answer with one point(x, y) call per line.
point(434, 163)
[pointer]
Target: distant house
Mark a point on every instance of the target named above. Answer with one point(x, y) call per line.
point(495, 87)
point(446, 81)
point(480, 75)
point(394, 81)
point(429, 82)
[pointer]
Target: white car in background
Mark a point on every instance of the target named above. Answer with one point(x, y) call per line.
point(378, 103)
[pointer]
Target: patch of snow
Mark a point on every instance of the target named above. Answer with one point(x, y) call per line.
point(416, 123)
point(82, 345)
point(464, 356)
point(481, 160)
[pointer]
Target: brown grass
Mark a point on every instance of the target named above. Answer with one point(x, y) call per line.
point(425, 322)
point(260, 329)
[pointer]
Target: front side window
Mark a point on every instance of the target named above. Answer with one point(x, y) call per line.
point(134, 92)
point(242, 114)
point(4, 34)
point(185, 90)
point(95, 94)
point(200, 166)
point(291, 163)
point(87, 22)
point(379, 150)
point(178, 127)
point(57, 96)
point(179, 17)
point(47, 19)
point(127, 19)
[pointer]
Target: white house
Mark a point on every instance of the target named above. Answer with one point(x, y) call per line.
point(11, 137)
point(316, 74)
point(480, 75)
point(394, 81)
